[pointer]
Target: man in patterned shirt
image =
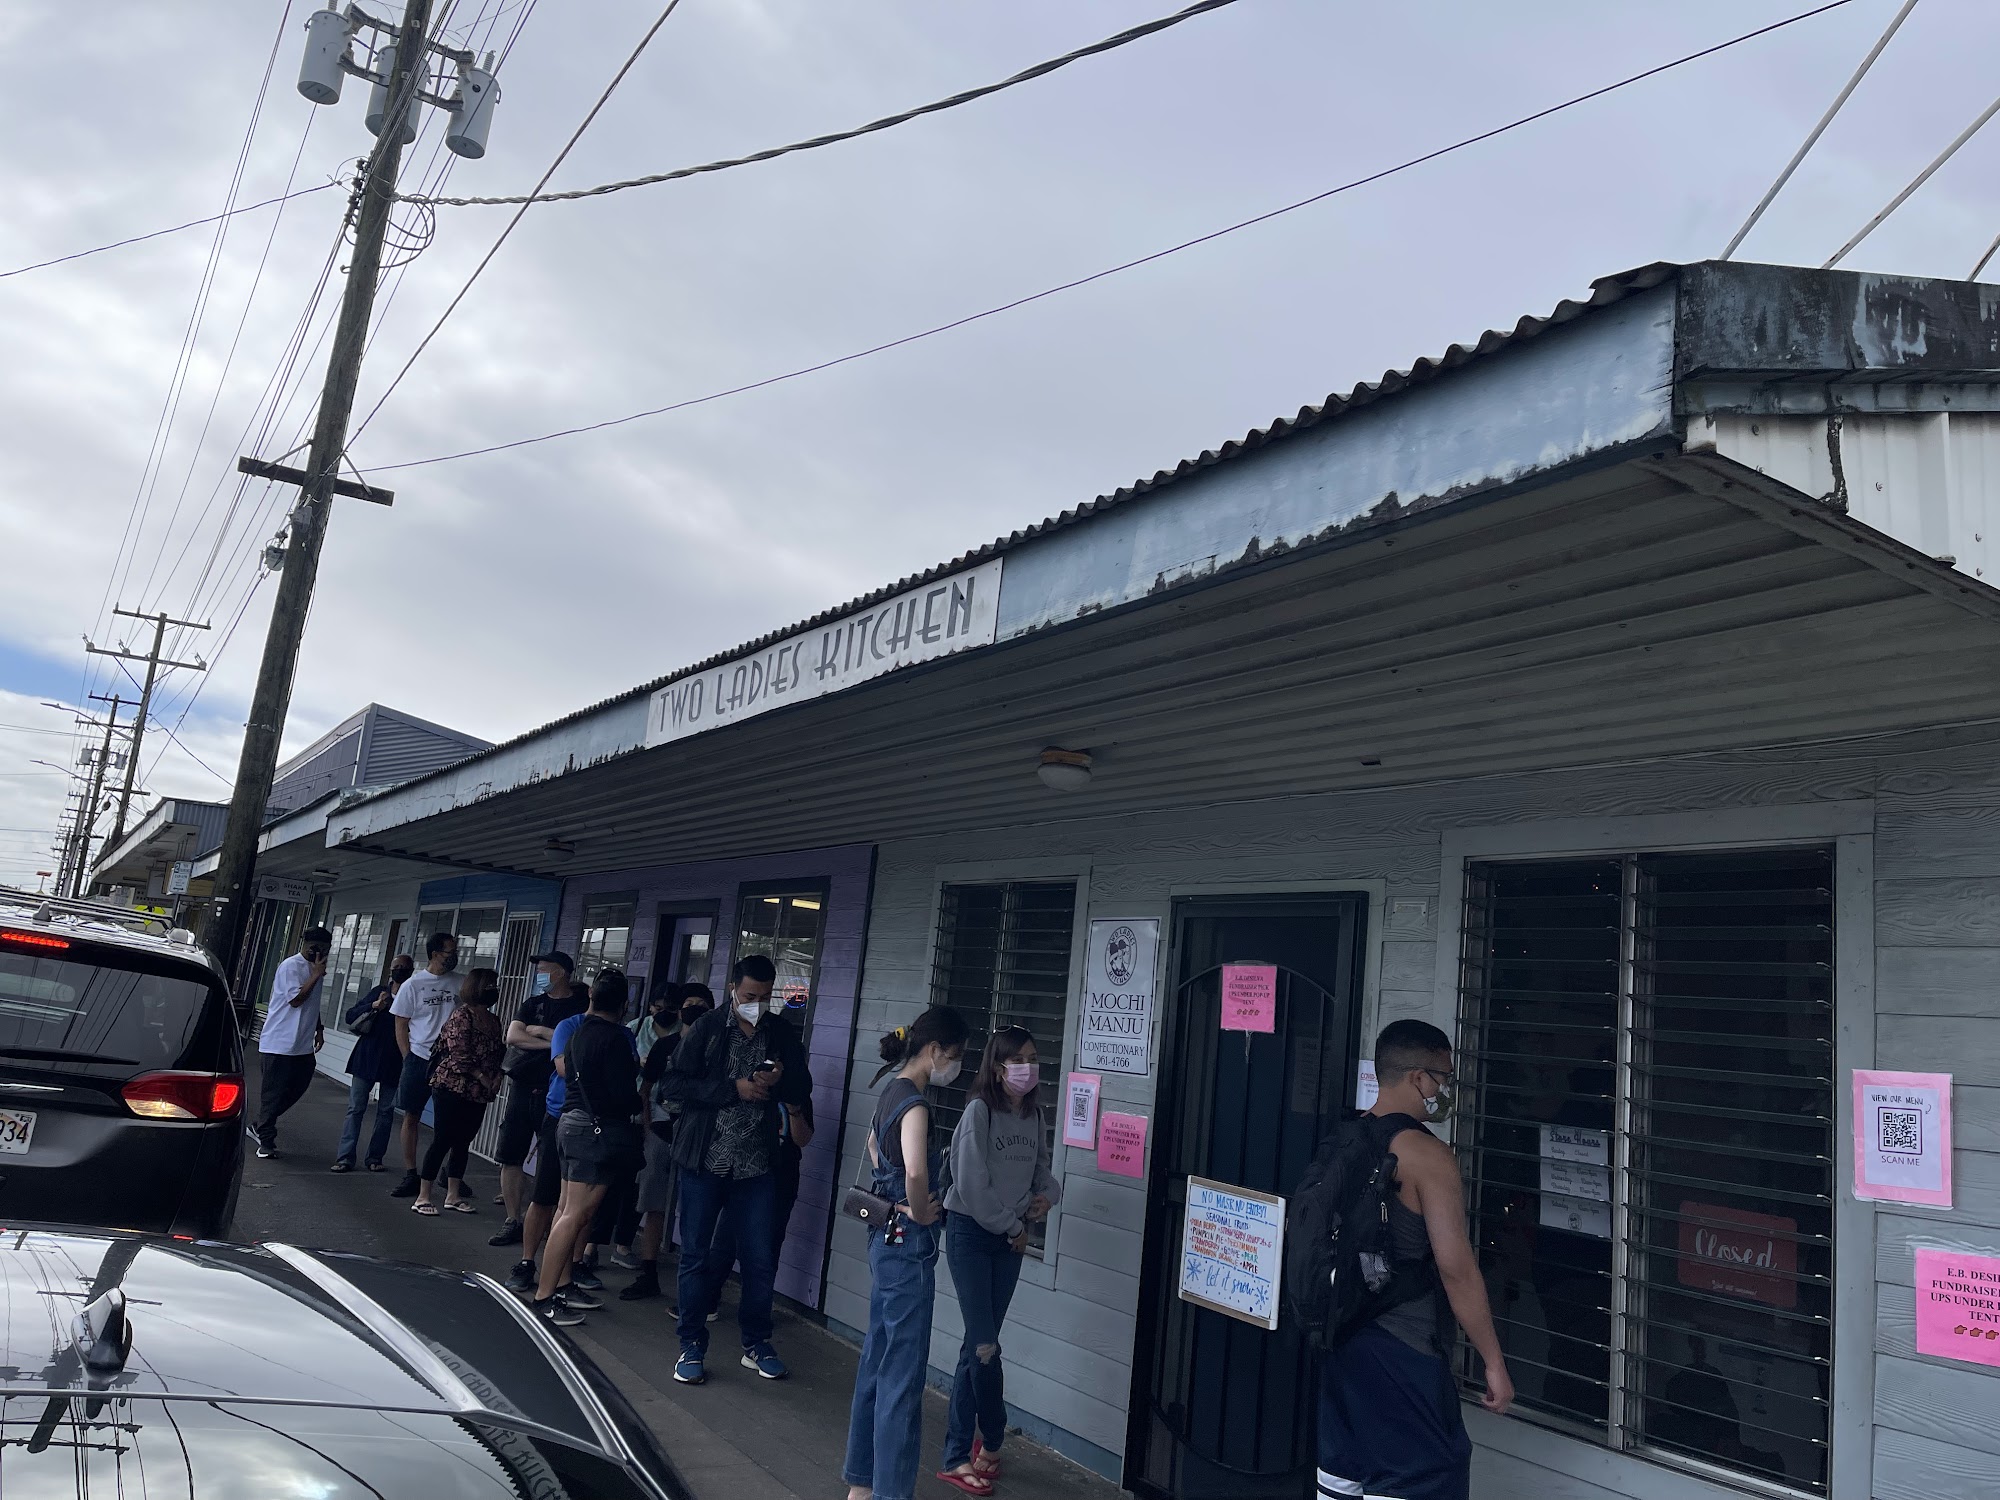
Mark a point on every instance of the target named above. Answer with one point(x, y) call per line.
point(729, 1075)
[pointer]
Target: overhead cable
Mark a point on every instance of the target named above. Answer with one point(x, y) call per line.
point(231, 213)
point(1818, 130)
point(1916, 182)
point(1216, 234)
point(487, 259)
point(1028, 75)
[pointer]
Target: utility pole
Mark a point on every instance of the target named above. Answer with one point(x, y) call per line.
point(86, 818)
point(153, 665)
point(402, 80)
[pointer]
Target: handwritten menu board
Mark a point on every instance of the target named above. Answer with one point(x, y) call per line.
point(1232, 1251)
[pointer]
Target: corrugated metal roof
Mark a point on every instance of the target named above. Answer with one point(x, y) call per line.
point(1603, 292)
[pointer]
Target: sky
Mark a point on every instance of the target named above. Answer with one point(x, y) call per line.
point(502, 591)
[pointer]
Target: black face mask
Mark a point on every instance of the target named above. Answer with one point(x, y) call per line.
point(692, 1013)
point(397, 976)
point(450, 961)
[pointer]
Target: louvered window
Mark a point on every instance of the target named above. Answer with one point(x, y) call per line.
point(1647, 1057)
point(1003, 956)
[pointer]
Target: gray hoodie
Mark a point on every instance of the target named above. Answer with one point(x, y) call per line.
point(998, 1164)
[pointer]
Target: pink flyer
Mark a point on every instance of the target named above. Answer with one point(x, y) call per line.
point(1121, 1145)
point(1902, 1137)
point(1958, 1306)
point(1249, 997)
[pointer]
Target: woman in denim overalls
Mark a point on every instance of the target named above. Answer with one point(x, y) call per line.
point(885, 1430)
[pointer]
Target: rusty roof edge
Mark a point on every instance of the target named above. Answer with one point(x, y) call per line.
point(1604, 291)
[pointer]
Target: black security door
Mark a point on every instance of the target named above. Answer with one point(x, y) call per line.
point(1222, 1410)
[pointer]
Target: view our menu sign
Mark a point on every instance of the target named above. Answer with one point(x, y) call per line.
point(932, 620)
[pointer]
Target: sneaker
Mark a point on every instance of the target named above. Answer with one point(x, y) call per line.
point(510, 1234)
point(690, 1369)
point(343, 1166)
point(580, 1300)
point(522, 1277)
point(625, 1260)
point(645, 1284)
point(555, 1310)
point(586, 1277)
point(266, 1153)
point(407, 1188)
point(764, 1360)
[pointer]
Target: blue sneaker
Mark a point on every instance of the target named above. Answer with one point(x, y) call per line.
point(689, 1369)
point(764, 1360)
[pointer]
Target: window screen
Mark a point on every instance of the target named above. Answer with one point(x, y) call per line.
point(1003, 960)
point(1648, 1050)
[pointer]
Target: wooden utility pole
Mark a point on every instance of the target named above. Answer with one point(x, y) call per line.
point(230, 912)
point(86, 818)
point(153, 665)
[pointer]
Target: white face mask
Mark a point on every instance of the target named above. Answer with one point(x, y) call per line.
point(946, 1071)
point(750, 1013)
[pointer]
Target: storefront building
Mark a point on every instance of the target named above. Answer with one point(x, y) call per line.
point(1614, 693)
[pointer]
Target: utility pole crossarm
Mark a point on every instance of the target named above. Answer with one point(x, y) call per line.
point(197, 665)
point(259, 469)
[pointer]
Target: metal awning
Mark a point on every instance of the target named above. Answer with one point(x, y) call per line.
point(1660, 606)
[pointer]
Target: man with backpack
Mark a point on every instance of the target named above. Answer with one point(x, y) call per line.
point(1378, 1264)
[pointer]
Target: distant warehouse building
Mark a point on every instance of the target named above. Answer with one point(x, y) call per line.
point(1618, 692)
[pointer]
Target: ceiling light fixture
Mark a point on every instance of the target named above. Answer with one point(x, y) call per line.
point(1064, 770)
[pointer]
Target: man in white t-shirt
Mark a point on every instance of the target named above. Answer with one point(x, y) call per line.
point(422, 1006)
point(292, 1034)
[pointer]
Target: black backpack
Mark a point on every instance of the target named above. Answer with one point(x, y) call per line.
point(1340, 1267)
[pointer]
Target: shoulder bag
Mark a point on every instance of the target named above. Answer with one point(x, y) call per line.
point(863, 1203)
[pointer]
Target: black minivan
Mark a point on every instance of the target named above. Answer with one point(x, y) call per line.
point(121, 1073)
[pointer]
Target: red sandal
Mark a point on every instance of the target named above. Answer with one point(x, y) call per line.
point(971, 1484)
point(991, 1468)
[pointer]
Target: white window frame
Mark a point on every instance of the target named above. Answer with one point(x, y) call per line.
point(1850, 828)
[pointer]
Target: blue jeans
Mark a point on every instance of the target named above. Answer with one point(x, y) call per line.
point(984, 1269)
point(358, 1090)
point(751, 1202)
point(885, 1428)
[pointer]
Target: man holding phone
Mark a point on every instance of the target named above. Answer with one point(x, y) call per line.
point(292, 1034)
point(729, 1075)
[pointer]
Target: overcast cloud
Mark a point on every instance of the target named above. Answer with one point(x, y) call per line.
point(502, 591)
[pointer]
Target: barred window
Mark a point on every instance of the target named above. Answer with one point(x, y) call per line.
point(1003, 956)
point(1647, 1052)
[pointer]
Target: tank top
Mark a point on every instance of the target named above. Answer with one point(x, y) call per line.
point(1420, 1322)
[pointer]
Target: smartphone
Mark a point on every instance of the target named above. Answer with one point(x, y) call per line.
point(769, 1064)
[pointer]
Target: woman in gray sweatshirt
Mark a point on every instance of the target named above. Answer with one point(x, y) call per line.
point(1000, 1185)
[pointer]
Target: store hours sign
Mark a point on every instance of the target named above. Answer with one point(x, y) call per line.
point(932, 620)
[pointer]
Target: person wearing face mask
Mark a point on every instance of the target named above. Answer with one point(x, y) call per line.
point(422, 1006)
point(530, 1070)
point(1389, 1421)
point(885, 1425)
point(659, 1180)
point(1000, 1185)
point(729, 1075)
point(375, 1067)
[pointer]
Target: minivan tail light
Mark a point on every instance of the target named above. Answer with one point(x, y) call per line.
point(184, 1096)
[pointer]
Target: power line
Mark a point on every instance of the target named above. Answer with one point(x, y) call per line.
point(1081, 281)
point(1818, 130)
point(486, 260)
point(1110, 43)
point(139, 239)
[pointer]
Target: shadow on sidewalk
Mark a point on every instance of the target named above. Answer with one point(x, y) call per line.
point(736, 1438)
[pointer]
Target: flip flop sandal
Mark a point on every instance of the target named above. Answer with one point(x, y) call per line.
point(463, 1206)
point(982, 1460)
point(971, 1484)
point(428, 1210)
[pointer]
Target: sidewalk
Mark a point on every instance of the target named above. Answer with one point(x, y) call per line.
point(736, 1438)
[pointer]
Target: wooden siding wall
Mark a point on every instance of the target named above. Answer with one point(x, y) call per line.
point(1070, 1334)
point(846, 870)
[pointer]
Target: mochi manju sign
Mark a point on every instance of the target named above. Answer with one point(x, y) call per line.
point(934, 619)
point(1116, 1031)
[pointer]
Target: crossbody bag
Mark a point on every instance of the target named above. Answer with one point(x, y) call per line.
point(864, 1203)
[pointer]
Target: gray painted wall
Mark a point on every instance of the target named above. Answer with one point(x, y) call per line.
point(1930, 814)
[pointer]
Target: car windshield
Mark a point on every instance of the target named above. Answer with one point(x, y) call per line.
point(62, 1010)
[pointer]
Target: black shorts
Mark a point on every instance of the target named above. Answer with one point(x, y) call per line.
point(521, 1119)
point(597, 1157)
point(548, 1165)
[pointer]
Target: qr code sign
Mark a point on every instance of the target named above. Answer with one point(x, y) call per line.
point(1900, 1131)
point(1079, 1109)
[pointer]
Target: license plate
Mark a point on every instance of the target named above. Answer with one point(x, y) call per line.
point(17, 1128)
